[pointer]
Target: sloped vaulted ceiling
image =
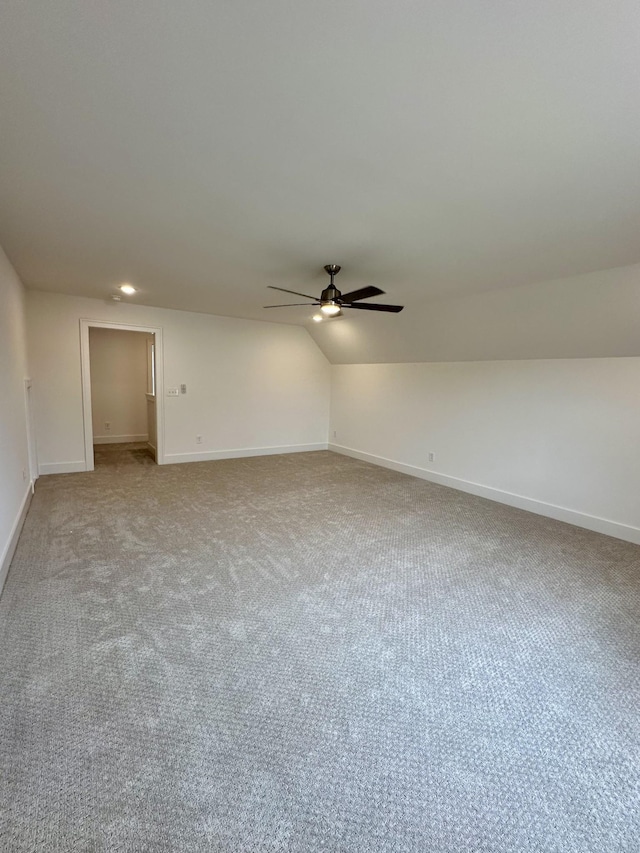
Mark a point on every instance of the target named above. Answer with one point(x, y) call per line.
point(436, 149)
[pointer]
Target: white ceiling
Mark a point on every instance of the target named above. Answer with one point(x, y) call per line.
point(203, 150)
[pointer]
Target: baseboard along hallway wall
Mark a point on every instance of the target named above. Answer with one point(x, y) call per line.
point(119, 439)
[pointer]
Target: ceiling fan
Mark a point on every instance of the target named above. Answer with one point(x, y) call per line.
point(332, 302)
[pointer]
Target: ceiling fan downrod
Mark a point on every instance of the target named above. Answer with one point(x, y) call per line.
point(331, 294)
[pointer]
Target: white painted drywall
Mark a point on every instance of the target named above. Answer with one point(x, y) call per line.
point(470, 144)
point(563, 433)
point(251, 386)
point(14, 454)
point(586, 316)
point(118, 385)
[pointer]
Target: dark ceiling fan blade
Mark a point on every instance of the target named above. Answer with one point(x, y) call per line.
point(363, 293)
point(295, 292)
point(373, 306)
point(291, 304)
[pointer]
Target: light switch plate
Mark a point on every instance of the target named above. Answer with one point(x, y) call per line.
point(172, 392)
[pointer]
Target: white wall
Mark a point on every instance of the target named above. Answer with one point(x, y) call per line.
point(14, 454)
point(251, 386)
point(596, 315)
point(118, 385)
point(558, 434)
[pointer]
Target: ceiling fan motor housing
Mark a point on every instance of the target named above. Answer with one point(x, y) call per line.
point(330, 294)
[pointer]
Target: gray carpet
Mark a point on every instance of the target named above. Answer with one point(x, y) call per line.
point(122, 455)
point(307, 653)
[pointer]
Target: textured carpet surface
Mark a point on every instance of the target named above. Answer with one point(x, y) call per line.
point(122, 455)
point(308, 653)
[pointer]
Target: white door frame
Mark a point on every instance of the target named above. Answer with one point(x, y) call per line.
point(85, 325)
point(31, 435)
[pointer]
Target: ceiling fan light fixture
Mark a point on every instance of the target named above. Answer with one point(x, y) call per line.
point(332, 301)
point(127, 288)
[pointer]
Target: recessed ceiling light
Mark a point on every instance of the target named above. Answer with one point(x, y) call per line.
point(128, 289)
point(317, 318)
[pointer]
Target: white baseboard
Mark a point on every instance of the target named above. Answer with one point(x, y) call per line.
point(61, 467)
point(16, 529)
point(570, 516)
point(211, 455)
point(119, 439)
point(202, 456)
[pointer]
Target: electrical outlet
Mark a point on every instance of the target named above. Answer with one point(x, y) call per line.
point(198, 439)
point(432, 457)
point(335, 433)
point(107, 426)
point(183, 388)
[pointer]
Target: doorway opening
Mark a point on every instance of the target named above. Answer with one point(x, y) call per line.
point(122, 398)
point(32, 446)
